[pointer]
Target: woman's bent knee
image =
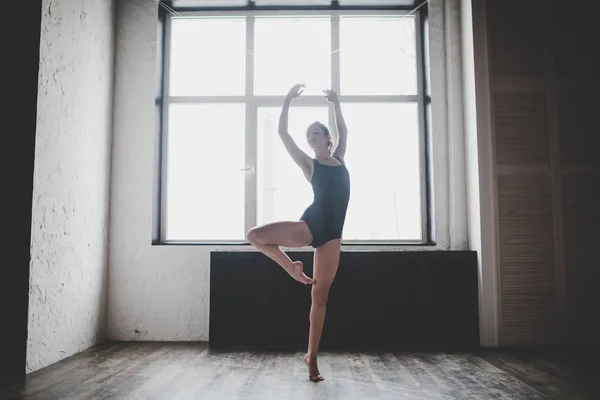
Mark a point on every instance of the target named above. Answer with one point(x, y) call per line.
point(253, 235)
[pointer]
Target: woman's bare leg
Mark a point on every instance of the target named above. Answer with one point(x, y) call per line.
point(269, 237)
point(326, 261)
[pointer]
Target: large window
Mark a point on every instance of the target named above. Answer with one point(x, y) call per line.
point(224, 169)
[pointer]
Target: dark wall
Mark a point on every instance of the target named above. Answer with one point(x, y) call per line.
point(20, 64)
point(544, 94)
point(379, 300)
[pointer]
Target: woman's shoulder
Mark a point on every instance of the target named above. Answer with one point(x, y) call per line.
point(341, 160)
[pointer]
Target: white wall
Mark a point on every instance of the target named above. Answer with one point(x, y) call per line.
point(162, 292)
point(69, 238)
point(480, 164)
point(457, 203)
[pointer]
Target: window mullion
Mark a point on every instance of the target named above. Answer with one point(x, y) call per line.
point(164, 164)
point(251, 134)
point(335, 63)
point(335, 53)
point(419, 53)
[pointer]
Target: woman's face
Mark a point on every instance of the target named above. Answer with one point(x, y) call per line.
point(316, 137)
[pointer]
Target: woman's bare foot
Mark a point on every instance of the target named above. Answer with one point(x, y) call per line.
point(313, 369)
point(298, 274)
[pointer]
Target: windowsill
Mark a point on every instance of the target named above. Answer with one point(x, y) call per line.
point(345, 246)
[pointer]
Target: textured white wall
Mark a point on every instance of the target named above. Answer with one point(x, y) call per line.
point(162, 292)
point(68, 278)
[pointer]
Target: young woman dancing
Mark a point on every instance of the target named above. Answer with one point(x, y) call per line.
point(321, 223)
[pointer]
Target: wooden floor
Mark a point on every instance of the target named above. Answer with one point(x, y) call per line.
point(192, 371)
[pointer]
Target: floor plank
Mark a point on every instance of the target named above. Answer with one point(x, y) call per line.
point(182, 371)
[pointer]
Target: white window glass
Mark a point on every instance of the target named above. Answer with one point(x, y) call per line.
point(383, 160)
point(283, 191)
point(208, 56)
point(262, 3)
point(291, 50)
point(205, 181)
point(208, 142)
point(378, 56)
point(375, 2)
point(217, 3)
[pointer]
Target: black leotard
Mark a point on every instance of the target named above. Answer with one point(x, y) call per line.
point(325, 217)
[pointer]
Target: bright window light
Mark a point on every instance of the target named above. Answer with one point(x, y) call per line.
point(383, 159)
point(374, 63)
point(376, 2)
point(224, 168)
point(208, 56)
point(292, 50)
point(209, 3)
point(262, 3)
point(205, 181)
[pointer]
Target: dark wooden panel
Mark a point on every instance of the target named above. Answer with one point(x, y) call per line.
point(527, 262)
point(521, 129)
point(579, 128)
point(545, 85)
point(516, 38)
point(19, 118)
point(581, 202)
point(574, 36)
point(379, 299)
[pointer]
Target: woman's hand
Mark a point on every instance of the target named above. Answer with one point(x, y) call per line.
point(331, 96)
point(296, 91)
